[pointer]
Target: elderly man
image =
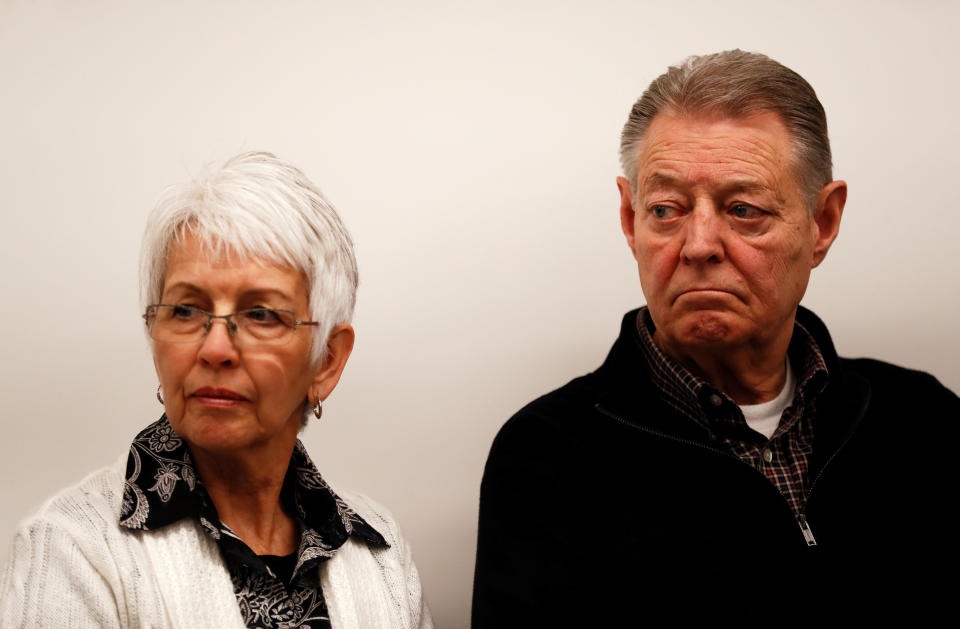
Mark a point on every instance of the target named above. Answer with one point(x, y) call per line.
point(723, 462)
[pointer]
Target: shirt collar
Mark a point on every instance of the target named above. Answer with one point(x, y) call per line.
point(162, 487)
point(695, 399)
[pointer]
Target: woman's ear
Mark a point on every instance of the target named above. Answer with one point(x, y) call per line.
point(339, 346)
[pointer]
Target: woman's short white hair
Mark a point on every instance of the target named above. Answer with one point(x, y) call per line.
point(257, 206)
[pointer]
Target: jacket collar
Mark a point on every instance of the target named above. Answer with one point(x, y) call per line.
point(626, 388)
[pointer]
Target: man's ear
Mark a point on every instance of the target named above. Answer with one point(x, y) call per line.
point(339, 346)
point(627, 213)
point(827, 217)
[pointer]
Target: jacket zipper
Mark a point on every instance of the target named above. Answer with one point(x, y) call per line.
point(805, 529)
point(804, 526)
point(801, 519)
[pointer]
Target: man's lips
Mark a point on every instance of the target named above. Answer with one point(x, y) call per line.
point(705, 289)
point(707, 293)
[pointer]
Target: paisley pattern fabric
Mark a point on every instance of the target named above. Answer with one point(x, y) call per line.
point(273, 592)
point(267, 602)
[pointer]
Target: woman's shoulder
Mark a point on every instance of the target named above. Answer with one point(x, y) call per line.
point(66, 558)
point(373, 513)
point(92, 502)
point(78, 523)
point(359, 570)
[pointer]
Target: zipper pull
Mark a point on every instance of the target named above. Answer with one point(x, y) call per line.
point(805, 529)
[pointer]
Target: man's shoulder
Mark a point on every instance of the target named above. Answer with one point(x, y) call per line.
point(882, 370)
point(566, 419)
point(574, 397)
point(883, 382)
point(570, 412)
point(551, 413)
point(890, 383)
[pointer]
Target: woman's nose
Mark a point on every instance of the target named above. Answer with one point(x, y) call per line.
point(218, 347)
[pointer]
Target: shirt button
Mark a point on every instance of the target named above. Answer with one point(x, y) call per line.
point(767, 455)
point(715, 399)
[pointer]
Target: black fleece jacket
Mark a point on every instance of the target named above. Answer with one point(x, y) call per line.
point(600, 507)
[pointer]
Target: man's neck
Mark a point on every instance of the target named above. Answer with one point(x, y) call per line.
point(747, 375)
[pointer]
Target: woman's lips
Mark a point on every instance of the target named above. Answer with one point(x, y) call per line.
point(217, 398)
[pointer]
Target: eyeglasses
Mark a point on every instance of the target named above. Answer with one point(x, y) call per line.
point(171, 323)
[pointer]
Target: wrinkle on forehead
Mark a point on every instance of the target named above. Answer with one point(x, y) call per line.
point(191, 264)
point(754, 151)
point(658, 179)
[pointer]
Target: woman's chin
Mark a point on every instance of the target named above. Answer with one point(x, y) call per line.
point(218, 432)
point(233, 433)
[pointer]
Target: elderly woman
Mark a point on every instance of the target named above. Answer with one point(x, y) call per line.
point(217, 517)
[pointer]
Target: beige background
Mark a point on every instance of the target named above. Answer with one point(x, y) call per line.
point(472, 151)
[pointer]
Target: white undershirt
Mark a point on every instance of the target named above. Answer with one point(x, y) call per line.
point(765, 417)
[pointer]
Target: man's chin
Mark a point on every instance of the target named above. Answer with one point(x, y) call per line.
point(710, 329)
point(705, 329)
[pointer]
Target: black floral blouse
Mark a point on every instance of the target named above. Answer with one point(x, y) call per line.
point(275, 592)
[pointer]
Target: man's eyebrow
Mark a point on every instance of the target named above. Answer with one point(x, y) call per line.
point(663, 180)
point(658, 179)
point(746, 185)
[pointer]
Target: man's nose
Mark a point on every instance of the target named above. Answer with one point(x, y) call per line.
point(218, 346)
point(703, 235)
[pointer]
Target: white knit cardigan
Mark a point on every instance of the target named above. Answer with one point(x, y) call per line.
point(73, 565)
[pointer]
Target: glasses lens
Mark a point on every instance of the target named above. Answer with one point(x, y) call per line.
point(175, 324)
point(185, 324)
point(265, 325)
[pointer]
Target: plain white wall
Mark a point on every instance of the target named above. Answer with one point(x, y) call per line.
point(471, 149)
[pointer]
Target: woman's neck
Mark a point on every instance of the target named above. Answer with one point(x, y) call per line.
point(245, 488)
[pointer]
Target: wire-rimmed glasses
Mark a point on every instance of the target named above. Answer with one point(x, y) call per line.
point(172, 323)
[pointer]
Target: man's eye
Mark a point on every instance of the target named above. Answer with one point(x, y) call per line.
point(662, 211)
point(742, 210)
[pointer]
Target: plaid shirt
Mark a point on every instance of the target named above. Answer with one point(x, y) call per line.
point(784, 458)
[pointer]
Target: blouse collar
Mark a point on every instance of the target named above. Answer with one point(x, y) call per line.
point(162, 487)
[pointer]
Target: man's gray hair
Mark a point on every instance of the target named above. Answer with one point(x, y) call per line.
point(255, 205)
point(735, 83)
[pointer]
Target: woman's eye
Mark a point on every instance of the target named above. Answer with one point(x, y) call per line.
point(263, 316)
point(185, 312)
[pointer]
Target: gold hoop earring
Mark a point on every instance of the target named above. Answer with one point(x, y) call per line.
point(318, 408)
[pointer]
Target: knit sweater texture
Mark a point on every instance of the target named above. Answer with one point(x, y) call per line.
point(72, 565)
